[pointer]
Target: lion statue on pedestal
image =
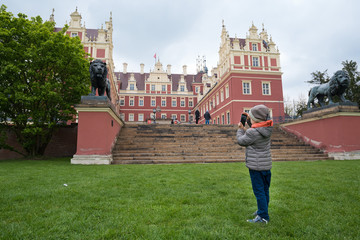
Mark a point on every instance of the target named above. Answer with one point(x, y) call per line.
point(98, 77)
point(335, 87)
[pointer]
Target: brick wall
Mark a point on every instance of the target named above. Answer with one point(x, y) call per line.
point(62, 144)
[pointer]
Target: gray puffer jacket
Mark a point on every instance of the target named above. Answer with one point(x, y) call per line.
point(257, 143)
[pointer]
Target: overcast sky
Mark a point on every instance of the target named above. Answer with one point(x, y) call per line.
point(312, 35)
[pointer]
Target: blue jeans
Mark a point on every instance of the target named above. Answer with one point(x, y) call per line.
point(207, 121)
point(260, 181)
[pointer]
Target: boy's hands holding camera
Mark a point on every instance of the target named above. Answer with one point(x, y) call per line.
point(243, 120)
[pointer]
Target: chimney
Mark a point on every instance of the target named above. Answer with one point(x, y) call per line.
point(125, 68)
point(142, 68)
point(184, 70)
point(169, 69)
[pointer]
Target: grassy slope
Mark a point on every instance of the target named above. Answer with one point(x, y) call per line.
point(309, 200)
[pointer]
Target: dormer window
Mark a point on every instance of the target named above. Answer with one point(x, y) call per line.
point(254, 47)
point(74, 34)
point(182, 88)
point(132, 87)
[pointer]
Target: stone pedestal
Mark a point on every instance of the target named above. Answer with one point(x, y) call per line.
point(98, 128)
point(335, 129)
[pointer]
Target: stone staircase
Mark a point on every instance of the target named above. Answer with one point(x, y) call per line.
point(158, 143)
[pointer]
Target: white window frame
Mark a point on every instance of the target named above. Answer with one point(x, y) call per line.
point(131, 117)
point(248, 92)
point(163, 88)
point(131, 101)
point(191, 103)
point(265, 91)
point(227, 91)
point(217, 99)
point(132, 86)
point(74, 34)
point(228, 117)
point(255, 61)
point(163, 102)
point(174, 101)
point(141, 101)
point(222, 95)
point(182, 88)
point(254, 46)
point(153, 87)
point(163, 116)
point(122, 101)
point(182, 118)
point(141, 117)
point(153, 102)
point(247, 110)
point(173, 116)
point(182, 102)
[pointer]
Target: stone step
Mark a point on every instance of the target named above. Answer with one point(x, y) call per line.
point(199, 144)
point(221, 160)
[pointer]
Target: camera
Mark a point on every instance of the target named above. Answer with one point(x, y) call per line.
point(244, 118)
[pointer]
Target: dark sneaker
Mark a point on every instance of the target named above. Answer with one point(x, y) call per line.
point(258, 219)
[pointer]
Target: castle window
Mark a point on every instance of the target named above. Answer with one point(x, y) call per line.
point(246, 87)
point(254, 47)
point(227, 91)
point(163, 102)
point(153, 102)
point(152, 87)
point(131, 102)
point(141, 117)
point(131, 117)
point(182, 118)
point(266, 88)
point(132, 86)
point(74, 34)
point(173, 103)
point(182, 103)
point(122, 101)
point(163, 88)
point(190, 103)
point(141, 102)
point(182, 88)
point(255, 61)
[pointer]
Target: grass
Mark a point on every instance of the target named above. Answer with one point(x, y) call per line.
point(309, 200)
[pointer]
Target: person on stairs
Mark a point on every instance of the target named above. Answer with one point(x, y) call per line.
point(207, 117)
point(258, 157)
point(197, 116)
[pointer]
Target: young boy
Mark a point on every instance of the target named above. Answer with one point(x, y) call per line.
point(258, 158)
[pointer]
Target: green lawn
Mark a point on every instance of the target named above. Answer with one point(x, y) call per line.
point(309, 200)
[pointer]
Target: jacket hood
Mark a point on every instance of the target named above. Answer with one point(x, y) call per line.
point(265, 131)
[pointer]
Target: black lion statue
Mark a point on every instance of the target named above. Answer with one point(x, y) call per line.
point(335, 87)
point(98, 76)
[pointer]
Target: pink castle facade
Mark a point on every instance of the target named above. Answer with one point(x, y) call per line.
point(248, 73)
